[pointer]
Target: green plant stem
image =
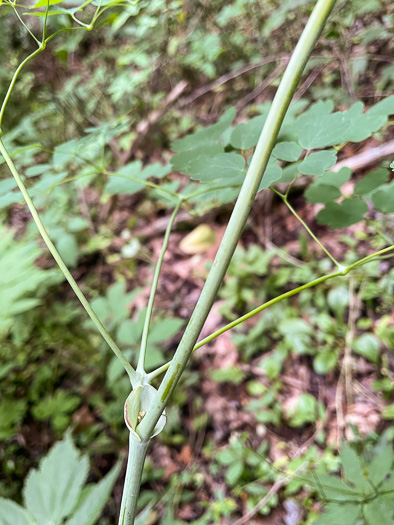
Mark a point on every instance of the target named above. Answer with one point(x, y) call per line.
point(241, 211)
point(284, 198)
point(131, 488)
point(23, 23)
point(51, 247)
point(14, 79)
point(277, 299)
point(148, 315)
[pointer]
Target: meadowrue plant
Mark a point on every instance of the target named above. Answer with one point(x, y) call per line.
point(223, 162)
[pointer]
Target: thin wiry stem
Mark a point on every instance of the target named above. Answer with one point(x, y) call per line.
point(310, 232)
point(277, 299)
point(148, 315)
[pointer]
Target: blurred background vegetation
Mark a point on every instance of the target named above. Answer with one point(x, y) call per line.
point(275, 394)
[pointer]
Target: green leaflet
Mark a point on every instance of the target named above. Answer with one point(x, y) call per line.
point(288, 151)
point(322, 193)
point(371, 182)
point(383, 198)
point(317, 163)
point(205, 136)
point(246, 135)
point(348, 212)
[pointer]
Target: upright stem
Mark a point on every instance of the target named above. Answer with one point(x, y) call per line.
point(241, 211)
point(131, 488)
point(51, 247)
point(148, 315)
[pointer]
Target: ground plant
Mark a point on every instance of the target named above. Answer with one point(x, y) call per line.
point(283, 144)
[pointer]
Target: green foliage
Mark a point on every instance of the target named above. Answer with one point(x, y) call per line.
point(364, 496)
point(55, 492)
point(20, 278)
point(247, 471)
point(120, 78)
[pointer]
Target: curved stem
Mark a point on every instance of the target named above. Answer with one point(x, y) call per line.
point(262, 307)
point(51, 247)
point(241, 211)
point(14, 79)
point(131, 487)
point(284, 198)
point(23, 23)
point(148, 315)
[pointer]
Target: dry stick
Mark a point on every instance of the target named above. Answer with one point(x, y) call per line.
point(367, 157)
point(308, 82)
point(144, 126)
point(345, 378)
point(273, 490)
point(260, 88)
point(230, 76)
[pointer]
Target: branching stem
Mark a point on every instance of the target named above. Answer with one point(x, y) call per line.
point(241, 211)
point(277, 299)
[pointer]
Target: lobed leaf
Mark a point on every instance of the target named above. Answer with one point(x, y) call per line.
point(51, 492)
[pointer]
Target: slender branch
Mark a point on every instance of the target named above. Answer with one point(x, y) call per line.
point(241, 211)
point(51, 247)
point(14, 79)
point(284, 198)
point(23, 23)
point(148, 315)
point(277, 299)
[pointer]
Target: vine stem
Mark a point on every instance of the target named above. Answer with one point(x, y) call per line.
point(51, 247)
point(240, 213)
point(286, 295)
point(148, 315)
